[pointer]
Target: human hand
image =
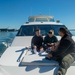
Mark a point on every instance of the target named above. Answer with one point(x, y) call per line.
point(52, 43)
point(52, 48)
point(49, 55)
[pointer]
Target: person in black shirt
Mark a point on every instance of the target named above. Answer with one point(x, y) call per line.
point(50, 40)
point(37, 41)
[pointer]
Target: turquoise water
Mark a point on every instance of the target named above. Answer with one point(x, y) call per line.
point(6, 38)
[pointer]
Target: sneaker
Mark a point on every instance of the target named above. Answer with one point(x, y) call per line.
point(41, 52)
point(59, 73)
point(34, 51)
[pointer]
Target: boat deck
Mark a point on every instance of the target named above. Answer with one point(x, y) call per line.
point(26, 63)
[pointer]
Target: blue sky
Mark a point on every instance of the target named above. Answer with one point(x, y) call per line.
point(14, 13)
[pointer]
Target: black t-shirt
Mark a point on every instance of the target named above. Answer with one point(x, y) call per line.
point(47, 39)
point(37, 40)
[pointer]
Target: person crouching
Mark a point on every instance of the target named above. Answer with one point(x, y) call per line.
point(37, 42)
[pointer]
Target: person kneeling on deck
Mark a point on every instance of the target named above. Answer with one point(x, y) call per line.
point(49, 40)
point(37, 42)
point(65, 53)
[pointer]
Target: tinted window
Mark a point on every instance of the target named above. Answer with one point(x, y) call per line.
point(41, 20)
point(30, 29)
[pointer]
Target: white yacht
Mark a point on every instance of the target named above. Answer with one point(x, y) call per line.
point(18, 58)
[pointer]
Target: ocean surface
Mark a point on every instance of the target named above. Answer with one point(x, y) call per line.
point(6, 39)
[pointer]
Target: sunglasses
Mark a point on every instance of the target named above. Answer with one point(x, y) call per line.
point(50, 32)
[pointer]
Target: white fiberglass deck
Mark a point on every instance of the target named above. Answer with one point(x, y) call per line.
point(12, 63)
point(35, 59)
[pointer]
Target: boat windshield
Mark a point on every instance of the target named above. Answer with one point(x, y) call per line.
point(29, 30)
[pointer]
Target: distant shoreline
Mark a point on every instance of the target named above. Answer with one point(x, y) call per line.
point(8, 30)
